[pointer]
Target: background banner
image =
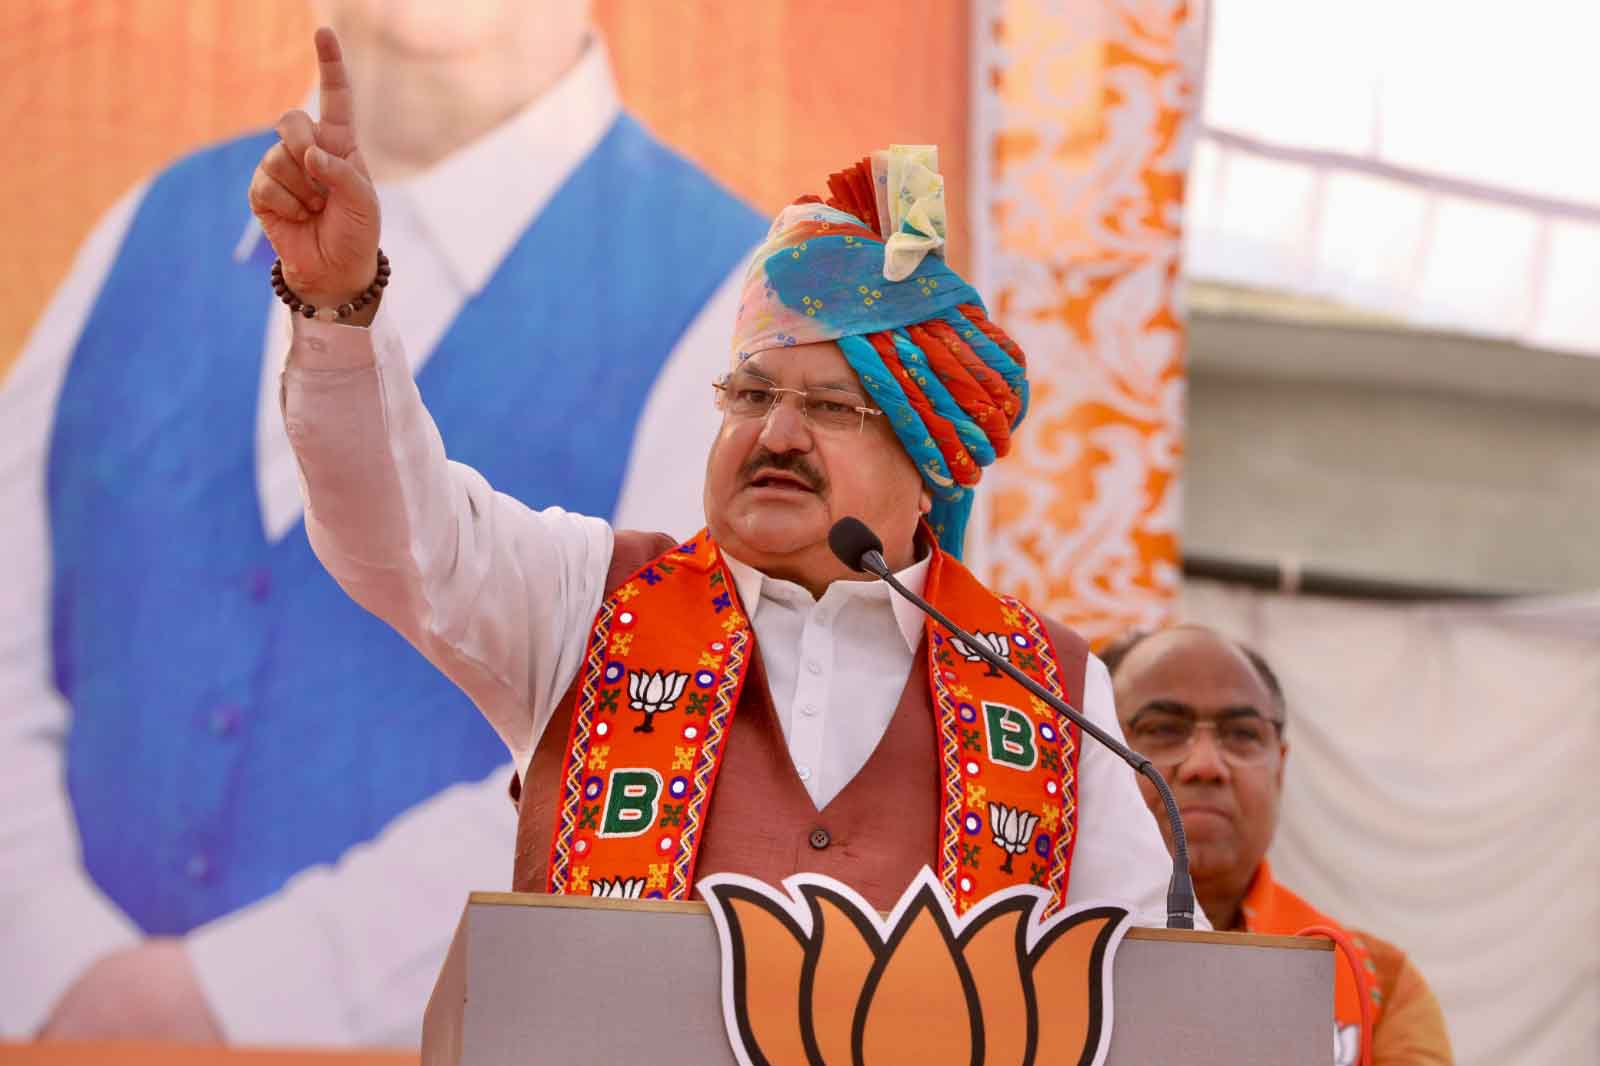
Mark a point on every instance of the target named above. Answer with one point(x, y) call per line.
point(200, 736)
point(1085, 115)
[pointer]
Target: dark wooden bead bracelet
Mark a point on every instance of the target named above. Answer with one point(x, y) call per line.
point(330, 314)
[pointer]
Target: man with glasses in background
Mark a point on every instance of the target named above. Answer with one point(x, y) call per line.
point(1211, 715)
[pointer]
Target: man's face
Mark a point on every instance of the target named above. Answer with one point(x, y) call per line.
point(776, 485)
point(1229, 805)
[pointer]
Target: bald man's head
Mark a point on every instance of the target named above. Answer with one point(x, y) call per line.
point(1209, 714)
point(1120, 648)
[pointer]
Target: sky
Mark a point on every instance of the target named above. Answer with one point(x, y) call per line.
point(1433, 162)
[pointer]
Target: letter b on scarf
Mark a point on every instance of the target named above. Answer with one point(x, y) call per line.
point(631, 802)
point(1010, 736)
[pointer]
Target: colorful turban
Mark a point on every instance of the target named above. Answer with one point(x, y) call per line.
point(857, 270)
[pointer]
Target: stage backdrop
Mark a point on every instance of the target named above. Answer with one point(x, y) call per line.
point(1083, 122)
point(1438, 795)
point(1063, 132)
point(101, 93)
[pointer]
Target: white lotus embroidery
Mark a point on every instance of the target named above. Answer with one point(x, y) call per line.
point(1346, 1045)
point(998, 643)
point(1012, 829)
point(617, 887)
point(654, 693)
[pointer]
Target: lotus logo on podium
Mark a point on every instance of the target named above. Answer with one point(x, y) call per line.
point(814, 976)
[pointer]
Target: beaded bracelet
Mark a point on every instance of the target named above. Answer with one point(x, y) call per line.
point(330, 314)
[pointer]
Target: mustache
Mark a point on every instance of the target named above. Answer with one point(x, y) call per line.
point(787, 462)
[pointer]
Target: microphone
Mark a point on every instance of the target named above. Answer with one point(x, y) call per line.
point(859, 548)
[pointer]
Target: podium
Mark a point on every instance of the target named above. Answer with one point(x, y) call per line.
point(534, 979)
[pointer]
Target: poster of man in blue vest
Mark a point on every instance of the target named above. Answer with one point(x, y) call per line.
point(234, 800)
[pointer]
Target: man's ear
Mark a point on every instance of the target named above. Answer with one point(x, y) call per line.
point(925, 501)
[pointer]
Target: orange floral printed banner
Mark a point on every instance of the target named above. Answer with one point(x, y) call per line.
point(1083, 121)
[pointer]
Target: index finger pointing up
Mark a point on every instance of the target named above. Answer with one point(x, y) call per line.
point(337, 98)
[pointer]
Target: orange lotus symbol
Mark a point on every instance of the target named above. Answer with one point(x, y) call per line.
point(815, 977)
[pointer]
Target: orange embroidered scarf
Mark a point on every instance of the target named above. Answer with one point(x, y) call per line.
point(659, 686)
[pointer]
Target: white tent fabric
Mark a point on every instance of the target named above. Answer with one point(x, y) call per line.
point(1441, 793)
point(1428, 161)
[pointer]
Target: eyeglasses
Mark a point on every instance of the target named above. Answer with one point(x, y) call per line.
point(747, 398)
point(1166, 738)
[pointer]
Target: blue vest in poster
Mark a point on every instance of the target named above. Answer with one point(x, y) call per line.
point(235, 716)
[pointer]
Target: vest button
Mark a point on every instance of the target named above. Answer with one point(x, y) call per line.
point(820, 838)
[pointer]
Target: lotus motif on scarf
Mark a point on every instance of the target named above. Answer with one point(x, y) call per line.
point(616, 887)
point(1011, 829)
point(816, 977)
point(1346, 1044)
point(654, 693)
point(995, 642)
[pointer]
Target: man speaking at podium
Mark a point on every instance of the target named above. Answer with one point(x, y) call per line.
point(742, 701)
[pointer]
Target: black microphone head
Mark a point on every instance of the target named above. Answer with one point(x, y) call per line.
point(850, 540)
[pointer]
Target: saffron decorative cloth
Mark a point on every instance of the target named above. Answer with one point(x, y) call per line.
point(667, 656)
point(866, 270)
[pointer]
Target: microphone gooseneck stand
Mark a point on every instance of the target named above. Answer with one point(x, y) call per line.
point(861, 550)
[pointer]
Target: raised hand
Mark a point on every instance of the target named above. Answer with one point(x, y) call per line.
point(314, 197)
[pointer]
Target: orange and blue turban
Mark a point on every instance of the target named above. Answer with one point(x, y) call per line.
point(866, 270)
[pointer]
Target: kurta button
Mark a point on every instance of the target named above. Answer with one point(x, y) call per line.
point(820, 838)
point(260, 584)
point(224, 720)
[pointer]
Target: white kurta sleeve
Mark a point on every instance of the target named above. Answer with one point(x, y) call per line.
point(496, 595)
point(1120, 857)
point(54, 921)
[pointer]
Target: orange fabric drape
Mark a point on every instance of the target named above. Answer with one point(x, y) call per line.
point(1083, 131)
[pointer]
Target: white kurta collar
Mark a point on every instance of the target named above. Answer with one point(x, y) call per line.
point(753, 584)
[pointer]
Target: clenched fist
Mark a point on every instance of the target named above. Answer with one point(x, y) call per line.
point(314, 197)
